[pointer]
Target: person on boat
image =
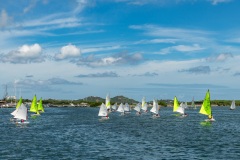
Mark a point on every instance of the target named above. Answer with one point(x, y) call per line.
point(22, 120)
point(157, 115)
point(185, 114)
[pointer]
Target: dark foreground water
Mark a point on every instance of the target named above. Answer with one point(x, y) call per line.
point(77, 133)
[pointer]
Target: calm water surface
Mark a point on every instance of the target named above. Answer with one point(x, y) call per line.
point(77, 133)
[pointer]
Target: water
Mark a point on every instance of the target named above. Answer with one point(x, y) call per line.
point(77, 133)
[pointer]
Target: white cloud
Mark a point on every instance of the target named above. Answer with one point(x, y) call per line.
point(69, 51)
point(25, 54)
point(30, 6)
point(181, 48)
point(220, 57)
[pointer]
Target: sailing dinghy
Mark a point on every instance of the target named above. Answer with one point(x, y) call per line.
point(21, 115)
point(233, 105)
point(103, 113)
point(206, 108)
point(155, 109)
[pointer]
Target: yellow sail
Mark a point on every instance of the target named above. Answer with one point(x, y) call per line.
point(19, 103)
point(33, 107)
point(206, 106)
point(175, 104)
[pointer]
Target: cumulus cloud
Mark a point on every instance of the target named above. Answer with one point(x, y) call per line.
point(69, 51)
point(117, 59)
point(25, 54)
point(220, 57)
point(197, 70)
point(98, 75)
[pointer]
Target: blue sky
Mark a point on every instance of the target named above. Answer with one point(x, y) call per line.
point(153, 48)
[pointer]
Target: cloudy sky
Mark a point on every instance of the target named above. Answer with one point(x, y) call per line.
point(153, 48)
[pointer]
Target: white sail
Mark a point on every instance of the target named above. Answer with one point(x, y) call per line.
point(181, 108)
point(107, 102)
point(155, 107)
point(14, 112)
point(233, 106)
point(120, 108)
point(144, 104)
point(137, 107)
point(126, 107)
point(114, 107)
point(21, 112)
point(103, 110)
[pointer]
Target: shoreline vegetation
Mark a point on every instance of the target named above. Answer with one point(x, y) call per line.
point(92, 101)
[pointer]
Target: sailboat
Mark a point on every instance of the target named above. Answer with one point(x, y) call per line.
point(144, 105)
point(155, 109)
point(33, 107)
point(121, 109)
point(114, 107)
point(138, 109)
point(193, 104)
point(175, 104)
point(206, 108)
point(181, 110)
point(233, 106)
point(40, 106)
point(103, 113)
point(126, 108)
point(15, 111)
point(21, 114)
point(107, 102)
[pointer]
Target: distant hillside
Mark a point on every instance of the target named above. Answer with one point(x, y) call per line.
point(117, 99)
point(122, 99)
point(93, 99)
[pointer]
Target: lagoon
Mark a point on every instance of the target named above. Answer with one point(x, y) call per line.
point(77, 133)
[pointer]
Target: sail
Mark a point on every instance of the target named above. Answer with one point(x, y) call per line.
point(102, 110)
point(40, 105)
point(120, 108)
point(175, 104)
point(114, 107)
point(137, 107)
point(107, 102)
point(155, 107)
point(126, 107)
point(181, 108)
point(21, 112)
point(206, 106)
point(233, 106)
point(144, 104)
point(19, 103)
point(33, 107)
point(193, 104)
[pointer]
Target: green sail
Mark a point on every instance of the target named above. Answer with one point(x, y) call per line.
point(206, 106)
point(175, 104)
point(33, 107)
point(19, 103)
point(40, 105)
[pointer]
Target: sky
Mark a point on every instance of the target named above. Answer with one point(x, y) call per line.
point(153, 48)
